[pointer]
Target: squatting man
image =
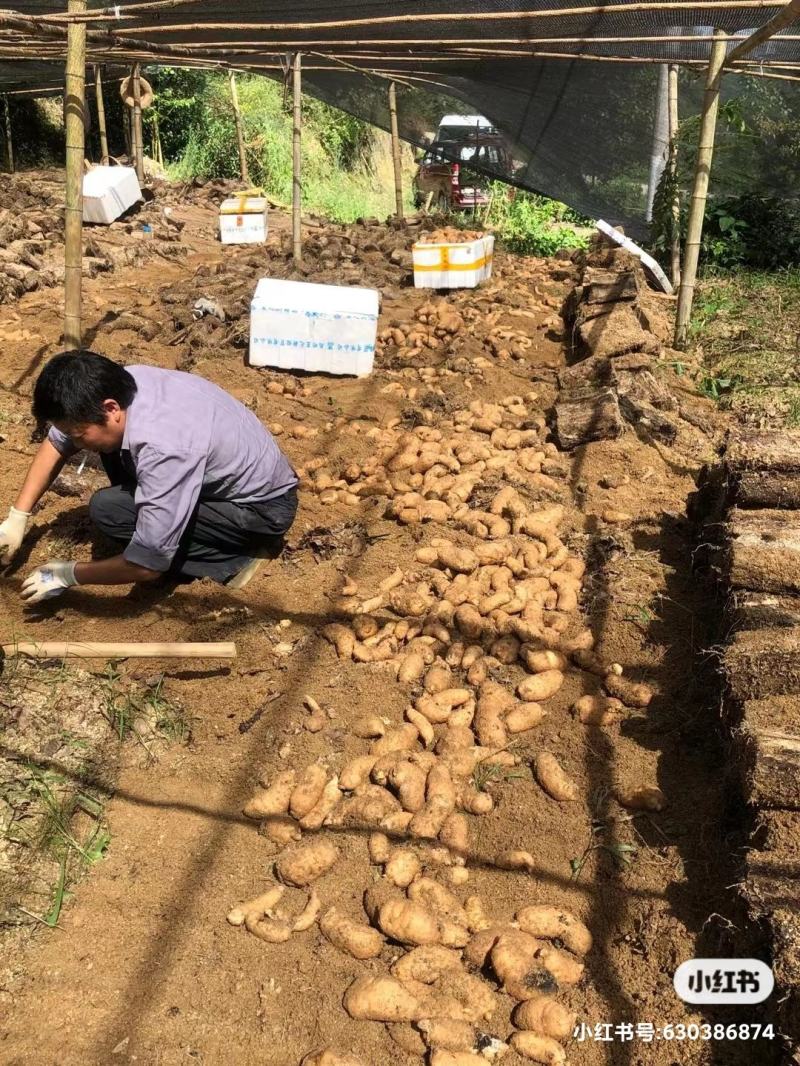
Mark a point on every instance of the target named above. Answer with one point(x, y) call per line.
point(199, 488)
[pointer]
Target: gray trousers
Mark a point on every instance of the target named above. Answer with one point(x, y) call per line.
point(221, 537)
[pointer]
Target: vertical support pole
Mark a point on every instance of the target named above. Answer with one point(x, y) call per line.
point(126, 129)
point(74, 101)
point(137, 122)
point(101, 114)
point(675, 248)
point(660, 150)
point(396, 158)
point(9, 141)
point(697, 205)
point(297, 241)
point(237, 118)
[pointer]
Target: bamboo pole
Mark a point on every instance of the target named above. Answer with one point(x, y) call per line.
point(101, 114)
point(482, 16)
point(297, 112)
point(675, 242)
point(9, 141)
point(124, 650)
point(137, 122)
point(237, 118)
point(74, 104)
point(697, 205)
point(396, 157)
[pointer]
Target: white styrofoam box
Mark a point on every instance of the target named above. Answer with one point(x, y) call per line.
point(243, 220)
point(297, 325)
point(108, 192)
point(453, 266)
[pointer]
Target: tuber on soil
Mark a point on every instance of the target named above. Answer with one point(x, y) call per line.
point(553, 923)
point(546, 1016)
point(356, 939)
point(408, 922)
point(308, 791)
point(305, 863)
point(553, 779)
point(381, 999)
point(538, 1048)
point(273, 800)
point(643, 798)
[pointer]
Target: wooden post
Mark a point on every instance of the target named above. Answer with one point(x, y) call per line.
point(137, 122)
point(101, 114)
point(697, 206)
point(675, 249)
point(9, 141)
point(297, 241)
point(237, 118)
point(74, 104)
point(396, 157)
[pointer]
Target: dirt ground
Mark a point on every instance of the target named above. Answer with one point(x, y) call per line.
point(143, 966)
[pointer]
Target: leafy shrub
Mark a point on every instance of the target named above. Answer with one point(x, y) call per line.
point(529, 224)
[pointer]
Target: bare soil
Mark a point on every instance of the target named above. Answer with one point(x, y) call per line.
point(142, 966)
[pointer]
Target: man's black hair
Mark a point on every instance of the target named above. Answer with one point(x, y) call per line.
point(73, 386)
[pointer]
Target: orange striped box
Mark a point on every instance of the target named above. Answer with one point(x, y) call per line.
point(453, 266)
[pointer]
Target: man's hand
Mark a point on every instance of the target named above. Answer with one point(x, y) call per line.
point(48, 581)
point(12, 532)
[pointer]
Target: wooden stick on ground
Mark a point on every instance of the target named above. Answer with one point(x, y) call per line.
point(74, 101)
point(123, 650)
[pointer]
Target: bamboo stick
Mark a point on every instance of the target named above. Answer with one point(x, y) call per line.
point(122, 650)
point(697, 206)
point(74, 101)
point(297, 112)
point(9, 141)
point(675, 240)
point(396, 157)
point(137, 122)
point(237, 118)
point(785, 17)
point(101, 114)
point(482, 16)
point(403, 43)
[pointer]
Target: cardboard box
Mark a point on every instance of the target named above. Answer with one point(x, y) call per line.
point(453, 266)
point(298, 325)
point(243, 220)
point(108, 192)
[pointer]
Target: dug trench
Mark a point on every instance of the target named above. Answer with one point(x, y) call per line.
point(445, 446)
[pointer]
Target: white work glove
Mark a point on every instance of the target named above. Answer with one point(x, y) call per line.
point(12, 532)
point(48, 581)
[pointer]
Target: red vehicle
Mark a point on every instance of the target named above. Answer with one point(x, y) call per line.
point(452, 185)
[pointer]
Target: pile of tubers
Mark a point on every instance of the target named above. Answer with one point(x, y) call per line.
point(501, 600)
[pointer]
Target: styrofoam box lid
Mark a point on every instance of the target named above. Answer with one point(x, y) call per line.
point(243, 205)
point(98, 181)
point(421, 245)
point(336, 301)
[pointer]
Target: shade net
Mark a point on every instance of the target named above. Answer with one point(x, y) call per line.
point(571, 94)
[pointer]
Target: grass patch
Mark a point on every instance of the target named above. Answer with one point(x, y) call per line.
point(64, 733)
point(745, 332)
